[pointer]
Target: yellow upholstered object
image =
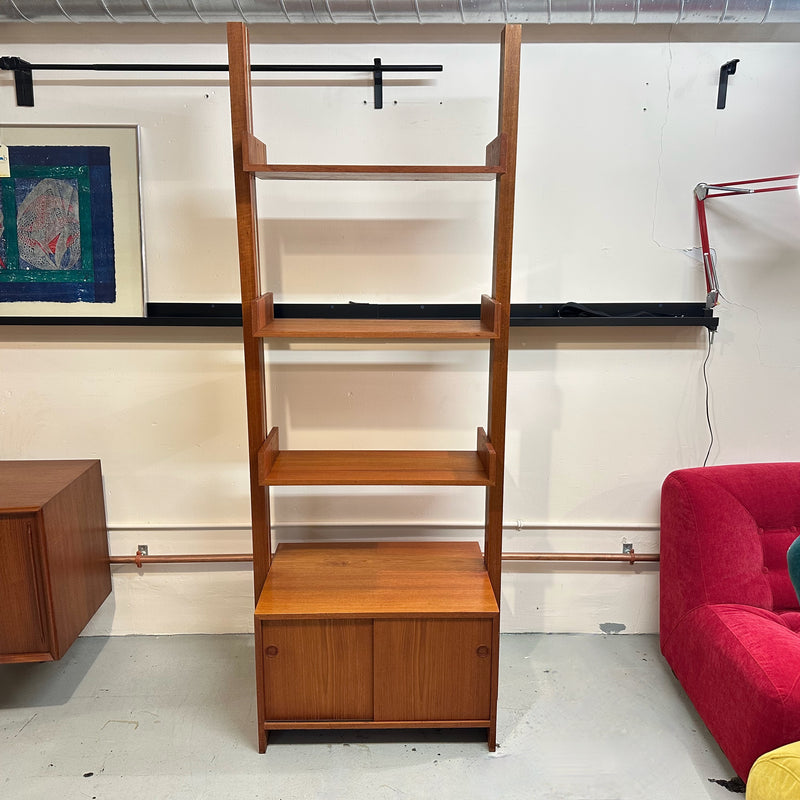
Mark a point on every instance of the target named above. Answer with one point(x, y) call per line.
point(776, 775)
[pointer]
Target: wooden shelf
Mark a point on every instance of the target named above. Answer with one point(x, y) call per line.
point(278, 467)
point(255, 161)
point(376, 468)
point(267, 326)
point(376, 579)
point(375, 329)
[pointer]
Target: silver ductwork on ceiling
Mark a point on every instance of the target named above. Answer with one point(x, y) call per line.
point(405, 11)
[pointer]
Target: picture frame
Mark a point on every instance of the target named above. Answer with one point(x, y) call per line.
point(71, 240)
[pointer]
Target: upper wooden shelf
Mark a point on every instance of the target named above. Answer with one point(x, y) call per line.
point(377, 579)
point(266, 325)
point(255, 161)
point(278, 467)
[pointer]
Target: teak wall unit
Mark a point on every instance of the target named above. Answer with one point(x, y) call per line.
point(389, 634)
point(54, 569)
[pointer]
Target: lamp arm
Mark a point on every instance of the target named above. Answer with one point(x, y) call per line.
point(702, 192)
point(712, 285)
point(728, 188)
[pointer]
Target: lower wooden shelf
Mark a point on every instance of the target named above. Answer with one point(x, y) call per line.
point(377, 635)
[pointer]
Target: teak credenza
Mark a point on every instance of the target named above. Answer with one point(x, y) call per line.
point(385, 634)
point(54, 568)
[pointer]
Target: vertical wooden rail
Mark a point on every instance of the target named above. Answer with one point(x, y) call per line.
point(501, 291)
point(255, 385)
point(510, 47)
point(246, 222)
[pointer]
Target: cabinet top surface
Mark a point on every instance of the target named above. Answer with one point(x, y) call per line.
point(377, 579)
point(28, 485)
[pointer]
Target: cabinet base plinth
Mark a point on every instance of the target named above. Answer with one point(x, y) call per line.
point(304, 725)
point(365, 725)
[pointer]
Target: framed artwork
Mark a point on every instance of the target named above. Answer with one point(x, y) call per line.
point(70, 222)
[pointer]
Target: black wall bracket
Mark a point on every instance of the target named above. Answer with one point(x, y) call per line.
point(23, 78)
point(377, 77)
point(728, 68)
point(23, 71)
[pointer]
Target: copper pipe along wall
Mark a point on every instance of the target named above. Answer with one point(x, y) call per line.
point(204, 558)
point(139, 560)
point(630, 558)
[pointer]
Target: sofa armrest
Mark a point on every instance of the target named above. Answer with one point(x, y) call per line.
point(740, 667)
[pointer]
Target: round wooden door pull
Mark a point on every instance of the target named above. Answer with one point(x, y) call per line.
point(482, 651)
point(271, 651)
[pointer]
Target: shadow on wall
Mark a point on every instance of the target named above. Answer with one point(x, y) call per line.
point(378, 260)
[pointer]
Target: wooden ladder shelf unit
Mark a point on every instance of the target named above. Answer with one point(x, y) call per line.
point(389, 634)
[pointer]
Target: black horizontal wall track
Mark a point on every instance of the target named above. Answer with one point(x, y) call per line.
point(522, 314)
point(613, 314)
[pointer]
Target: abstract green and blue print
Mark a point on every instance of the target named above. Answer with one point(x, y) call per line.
point(57, 226)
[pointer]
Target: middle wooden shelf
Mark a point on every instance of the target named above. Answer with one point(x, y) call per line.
point(265, 325)
point(278, 467)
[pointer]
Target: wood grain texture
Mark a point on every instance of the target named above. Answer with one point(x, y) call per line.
point(496, 151)
point(76, 568)
point(424, 616)
point(250, 283)
point(317, 669)
point(261, 701)
point(432, 669)
point(508, 114)
point(492, 732)
point(267, 454)
point(54, 553)
point(250, 288)
point(375, 329)
point(265, 325)
point(487, 455)
point(23, 621)
point(25, 486)
point(254, 151)
point(377, 580)
point(255, 161)
point(374, 172)
point(375, 468)
point(490, 315)
point(263, 312)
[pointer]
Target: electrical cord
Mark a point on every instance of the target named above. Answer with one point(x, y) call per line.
point(572, 309)
point(708, 396)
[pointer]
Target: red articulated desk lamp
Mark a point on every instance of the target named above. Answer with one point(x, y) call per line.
point(707, 191)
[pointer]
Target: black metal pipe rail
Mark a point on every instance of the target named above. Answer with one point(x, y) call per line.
point(23, 71)
point(224, 67)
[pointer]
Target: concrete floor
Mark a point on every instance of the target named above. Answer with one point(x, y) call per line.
point(580, 717)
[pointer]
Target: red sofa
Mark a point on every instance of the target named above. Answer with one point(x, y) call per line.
point(730, 618)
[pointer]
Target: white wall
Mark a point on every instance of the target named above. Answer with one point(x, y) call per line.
point(617, 126)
